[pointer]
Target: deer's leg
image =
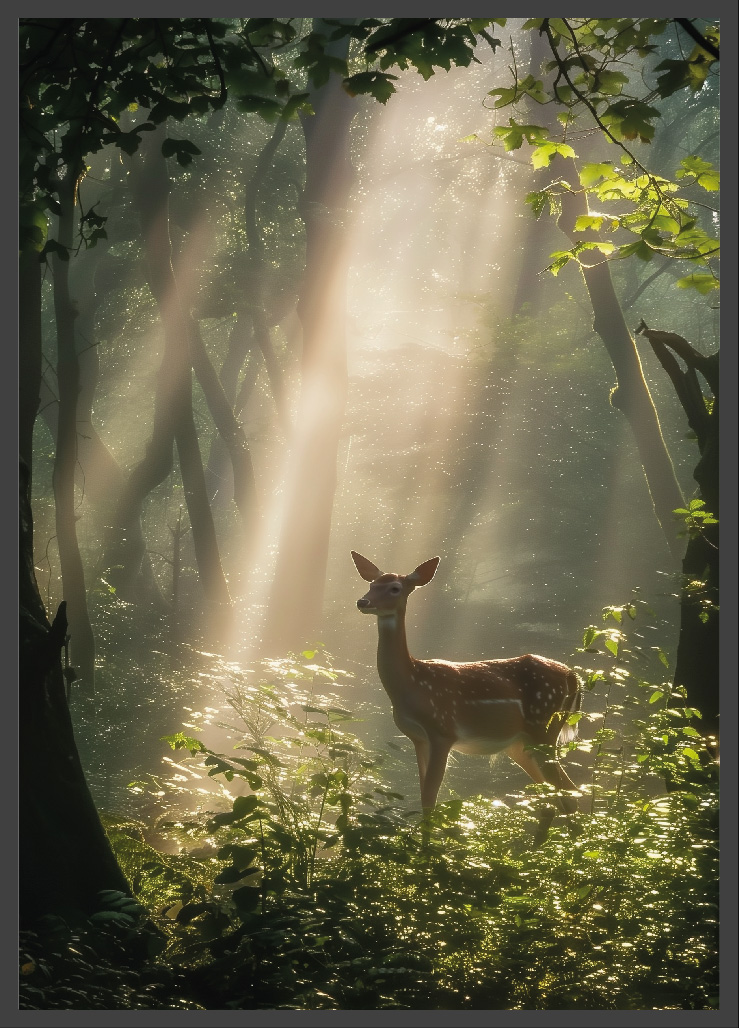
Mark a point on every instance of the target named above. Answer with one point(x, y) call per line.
point(557, 776)
point(435, 768)
point(422, 758)
point(551, 772)
point(526, 761)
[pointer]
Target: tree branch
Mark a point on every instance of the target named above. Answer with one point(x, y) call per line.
point(708, 46)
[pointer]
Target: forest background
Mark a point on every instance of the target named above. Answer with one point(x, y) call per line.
point(296, 299)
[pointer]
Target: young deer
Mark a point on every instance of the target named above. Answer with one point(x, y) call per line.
point(485, 706)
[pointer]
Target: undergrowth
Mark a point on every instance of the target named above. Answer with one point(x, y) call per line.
point(314, 887)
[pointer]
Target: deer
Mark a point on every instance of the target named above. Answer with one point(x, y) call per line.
point(487, 706)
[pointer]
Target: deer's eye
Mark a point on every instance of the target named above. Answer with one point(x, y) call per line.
point(395, 588)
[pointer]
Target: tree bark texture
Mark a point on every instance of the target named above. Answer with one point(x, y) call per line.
point(296, 597)
point(29, 351)
point(64, 855)
point(229, 429)
point(218, 472)
point(631, 394)
point(697, 665)
point(65, 459)
point(98, 474)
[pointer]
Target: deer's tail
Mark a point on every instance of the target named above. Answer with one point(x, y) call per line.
point(572, 705)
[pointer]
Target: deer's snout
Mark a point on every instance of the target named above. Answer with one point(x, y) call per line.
point(363, 603)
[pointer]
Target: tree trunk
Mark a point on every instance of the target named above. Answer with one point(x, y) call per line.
point(65, 460)
point(631, 394)
point(64, 855)
point(103, 477)
point(294, 608)
point(252, 327)
point(256, 275)
point(697, 667)
point(29, 351)
point(207, 555)
point(229, 429)
point(173, 416)
point(218, 473)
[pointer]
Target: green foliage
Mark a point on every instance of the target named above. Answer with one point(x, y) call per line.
point(596, 61)
point(105, 962)
point(377, 83)
point(83, 81)
point(513, 134)
point(695, 517)
point(322, 893)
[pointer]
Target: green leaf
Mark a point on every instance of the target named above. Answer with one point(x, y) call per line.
point(377, 83)
point(630, 119)
point(505, 97)
point(702, 282)
point(232, 874)
point(243, 806)
point(639, 249)
point(182, 149)
point(587, 222)
point(592, 173)
point(295, 104)
point(693, 732)
point(52, 246)
point(700, 171)
point(180, 741)
point(610, 83)
point(33, 226)
point(538, 201)
point(543, 153)
point(589, 635)
point(261, 105)
point(514, 134)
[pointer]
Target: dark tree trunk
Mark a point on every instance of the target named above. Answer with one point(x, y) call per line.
point(65, 461)
point(219, 473)
point(294, 608)
point(229, 429)
point(29, 351)
point(631, 394)
point(697, 666)
point(204, 539)
point(64, 855)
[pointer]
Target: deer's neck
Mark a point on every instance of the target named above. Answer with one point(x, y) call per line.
point(394, 662)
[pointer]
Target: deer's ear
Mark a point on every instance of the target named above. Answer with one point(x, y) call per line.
point(366, 568)
point(424, 572)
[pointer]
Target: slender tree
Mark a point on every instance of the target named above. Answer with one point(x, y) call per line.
point(173, 414)
point(65, 461)
point(296, 597)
